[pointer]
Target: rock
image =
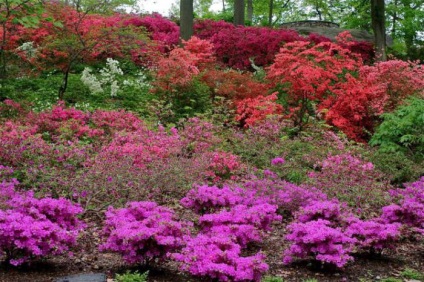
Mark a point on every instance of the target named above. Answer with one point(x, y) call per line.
point(331, 30)
point(92, 277)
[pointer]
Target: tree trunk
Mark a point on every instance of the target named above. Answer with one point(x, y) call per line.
point(64, 85)
point(394, 19)
point(379, 28)
point(223, 6)
point(238, 12)
point(250, 11)
point(186, 19)
point(270, 12)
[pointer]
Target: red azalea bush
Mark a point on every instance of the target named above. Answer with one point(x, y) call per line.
point(253, 110)
point(165, 32)
point(234, 47)
point(234, 85)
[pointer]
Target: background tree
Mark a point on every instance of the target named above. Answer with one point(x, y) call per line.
point(405, 19)
point(13, 14)
point(82, 38)
point(378, 21)
point(239, 7)
point(100, 7)
point(186, 19)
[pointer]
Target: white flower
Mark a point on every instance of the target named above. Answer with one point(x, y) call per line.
point(91, 81)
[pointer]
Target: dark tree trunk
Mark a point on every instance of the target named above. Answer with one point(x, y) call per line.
point(394, 19)
point(238, 12)
point(250, 10)
point(270, 12)
point(186, 19)
point(379, 28)
point(223, 6)
point(64, 85)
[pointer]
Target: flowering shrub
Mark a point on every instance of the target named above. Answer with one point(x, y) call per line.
point(331, 211)
point(110, 80)
point(252, 110)
point(235, 45)
point(400, 79)
point(234, 85)
point(352, 180)
point(373, 236)
point(177, 86)
point(162, 30)
point(208, 199)
point(220, 258)
point(260, 216)
point(277, 161)
point(34, 228)
point(223, 166)
point(142, 232)
point(320, 240)
point(198, 136)
point(355, 107)
point(308, 72)
point(287, 196)
point(114, 121)
point(142, 146)
point(241, 234)
point(410, 210)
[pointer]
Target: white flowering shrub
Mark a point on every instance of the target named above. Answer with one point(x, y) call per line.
point(28, 49)
point(110, 80)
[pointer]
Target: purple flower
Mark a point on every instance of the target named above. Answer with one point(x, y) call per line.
point(277, 161)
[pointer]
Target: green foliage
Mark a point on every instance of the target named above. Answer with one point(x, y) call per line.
point(391, 279)
point(41, 92)
point(272, 279)
point(132, 277)
point(311, 280)
point(403, 130)
point(409, 273)
point(396, 166)
point(181, 102)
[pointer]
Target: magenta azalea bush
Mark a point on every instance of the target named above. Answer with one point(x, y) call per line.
point(208, 199)
point(35, 228)
point(143, 231)
point(320, 240)
point(218, 257)
point(261, 216)
point(410, 210)
point(373, 236)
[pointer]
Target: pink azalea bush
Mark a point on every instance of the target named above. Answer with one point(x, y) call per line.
point(352, 180)
point(327, 231)
point(410, 209)
point(320, 240)
point(220, 258)
point(142, 231)
point(208, 199)
point(372, 235)
point(261, 216)
point(35, 228)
